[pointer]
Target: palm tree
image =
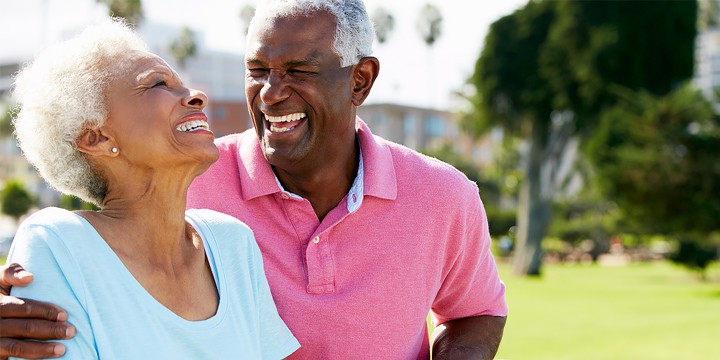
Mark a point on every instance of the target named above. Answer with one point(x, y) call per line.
point(429, 26)
point(130, 10)
point(246, 14)
point(184, 47)
point(384, 24)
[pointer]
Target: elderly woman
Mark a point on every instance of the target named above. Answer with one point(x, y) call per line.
point(105, 120)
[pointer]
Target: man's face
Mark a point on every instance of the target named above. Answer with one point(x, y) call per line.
point(299, 97)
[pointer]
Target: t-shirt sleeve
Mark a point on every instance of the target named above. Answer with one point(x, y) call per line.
point(472, 286)
point(276, 340)
point(40, 251)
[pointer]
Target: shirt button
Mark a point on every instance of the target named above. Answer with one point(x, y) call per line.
point(285, 196)
point(316, 240)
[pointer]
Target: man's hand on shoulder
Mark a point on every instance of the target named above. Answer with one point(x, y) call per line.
point(476, 337)
point(25, 319)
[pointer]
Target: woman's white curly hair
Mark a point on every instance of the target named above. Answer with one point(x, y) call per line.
point(354, 33)
point(60, 94)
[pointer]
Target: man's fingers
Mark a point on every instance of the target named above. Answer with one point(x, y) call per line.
point(12, 307)
point(30, 349)
point(35, 329)
point(13, 275)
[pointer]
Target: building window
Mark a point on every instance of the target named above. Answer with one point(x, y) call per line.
point(409, 124)
point(434, 126)
point(220, 113)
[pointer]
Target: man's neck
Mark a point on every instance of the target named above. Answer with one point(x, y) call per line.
point(324, 184)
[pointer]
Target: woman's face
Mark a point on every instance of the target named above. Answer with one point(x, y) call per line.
point(156, 121)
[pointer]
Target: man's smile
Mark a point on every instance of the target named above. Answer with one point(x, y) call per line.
point(284, 123)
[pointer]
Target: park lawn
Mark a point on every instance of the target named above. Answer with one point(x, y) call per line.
point(648, 311)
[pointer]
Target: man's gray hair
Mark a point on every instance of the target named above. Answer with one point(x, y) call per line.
point(354, 33)
point(62, 93)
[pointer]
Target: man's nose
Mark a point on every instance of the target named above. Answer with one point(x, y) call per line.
point(275, 88)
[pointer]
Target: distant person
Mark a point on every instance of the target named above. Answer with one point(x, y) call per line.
point(361, 237)
point(103, 119)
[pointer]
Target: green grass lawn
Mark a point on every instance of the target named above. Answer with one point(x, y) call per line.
point(641, 311)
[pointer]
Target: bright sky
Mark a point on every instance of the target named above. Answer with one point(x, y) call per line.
point(410, 72)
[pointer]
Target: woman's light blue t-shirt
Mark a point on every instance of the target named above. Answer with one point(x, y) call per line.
point(116, 318)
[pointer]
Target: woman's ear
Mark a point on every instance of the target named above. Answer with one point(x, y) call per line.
point(96, 142)
point(364, 75)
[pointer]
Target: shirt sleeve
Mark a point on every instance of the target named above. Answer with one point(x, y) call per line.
point(472, 286)
point(40, 251)
point(276, 340)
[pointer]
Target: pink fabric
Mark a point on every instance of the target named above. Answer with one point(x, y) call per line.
point(363, 288)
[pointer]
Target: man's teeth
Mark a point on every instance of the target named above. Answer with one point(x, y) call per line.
point(276, 121)
point(285, 118)
point(193, 125)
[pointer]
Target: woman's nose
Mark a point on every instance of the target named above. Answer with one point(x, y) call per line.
point(196, 98)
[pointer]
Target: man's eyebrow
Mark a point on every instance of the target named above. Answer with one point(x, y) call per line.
point(287, 64)
point(253, 61)
point(305, 62)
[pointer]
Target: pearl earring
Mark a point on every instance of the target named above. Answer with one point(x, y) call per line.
point(114, 150)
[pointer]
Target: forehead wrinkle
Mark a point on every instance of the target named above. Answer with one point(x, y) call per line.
point(310, 61)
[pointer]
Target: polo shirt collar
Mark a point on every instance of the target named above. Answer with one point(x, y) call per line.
point(376, 173)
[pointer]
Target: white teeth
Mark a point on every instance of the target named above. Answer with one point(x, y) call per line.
point(279, 129)
point(285, 118)
point(192, 126)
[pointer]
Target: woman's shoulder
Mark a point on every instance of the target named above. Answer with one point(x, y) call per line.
point(225, 230)
point(216, 219)
point(53, 218)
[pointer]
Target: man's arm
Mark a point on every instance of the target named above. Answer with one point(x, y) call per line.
point(22, 319)
point(476, 337)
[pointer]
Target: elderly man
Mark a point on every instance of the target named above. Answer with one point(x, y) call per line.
point(361, 237)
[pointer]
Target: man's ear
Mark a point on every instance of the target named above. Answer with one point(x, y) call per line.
point(364, 75)
point(96, 142)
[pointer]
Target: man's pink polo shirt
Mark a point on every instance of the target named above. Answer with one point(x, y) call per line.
point(359, 284)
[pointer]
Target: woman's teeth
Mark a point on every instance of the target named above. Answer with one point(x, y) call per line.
point(193, 125)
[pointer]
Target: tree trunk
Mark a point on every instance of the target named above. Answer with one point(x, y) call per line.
point(534, 207)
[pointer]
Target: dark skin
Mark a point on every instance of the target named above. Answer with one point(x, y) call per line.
point(144, 206)
point(26, 318)
point(476, 337)
point(293, 70)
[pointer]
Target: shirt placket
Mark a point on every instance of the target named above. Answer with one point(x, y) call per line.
point(319, 263)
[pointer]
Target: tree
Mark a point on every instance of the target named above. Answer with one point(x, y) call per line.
point(548, 69)
point(246, 14)
point(184, 47)
point(6, 128)
point(657, 157)
point(130, 10)
point(384, 24)
point(70, 202)
point(709, 15)
point(429, 24)
point(16, 200)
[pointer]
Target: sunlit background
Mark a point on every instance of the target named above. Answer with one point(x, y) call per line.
point(591, 128)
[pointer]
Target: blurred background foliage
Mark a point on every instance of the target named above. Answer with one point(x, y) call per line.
point(613, 77)
point(605, 81)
